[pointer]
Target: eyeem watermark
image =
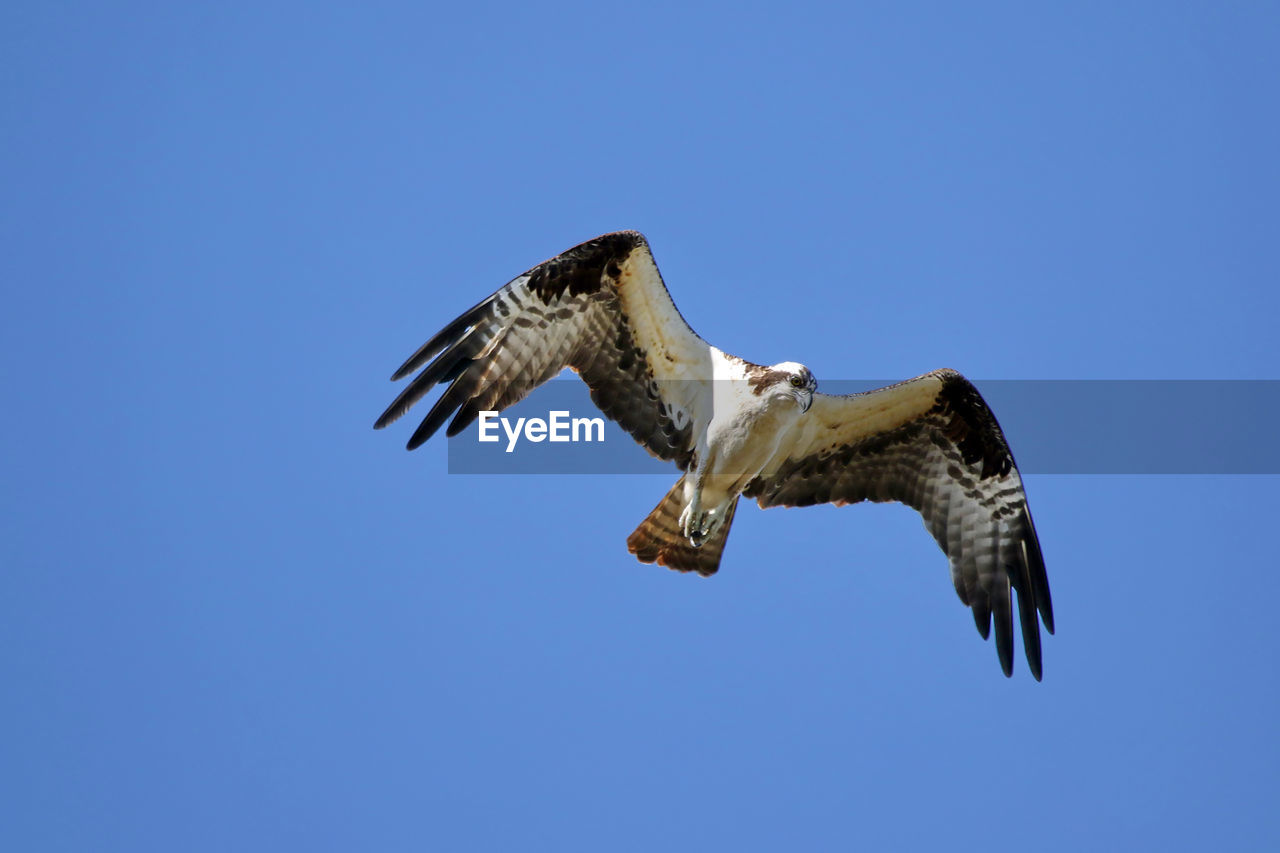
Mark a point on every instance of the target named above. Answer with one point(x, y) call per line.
point(558, 427)
point(1054, 426)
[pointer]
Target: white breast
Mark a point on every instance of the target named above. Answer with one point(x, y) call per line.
point(745, 428)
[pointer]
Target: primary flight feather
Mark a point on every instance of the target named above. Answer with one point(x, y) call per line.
point(736, 428)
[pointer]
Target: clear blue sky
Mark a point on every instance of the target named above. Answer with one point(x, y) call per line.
point(233, 617)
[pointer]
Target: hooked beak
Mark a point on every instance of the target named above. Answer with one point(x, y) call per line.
point(806, 402)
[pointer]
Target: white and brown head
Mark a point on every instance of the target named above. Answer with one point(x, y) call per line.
point(786, 380)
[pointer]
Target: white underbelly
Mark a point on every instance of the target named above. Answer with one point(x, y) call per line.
point(738, 451)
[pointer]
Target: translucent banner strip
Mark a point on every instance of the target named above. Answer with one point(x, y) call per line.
point(1054, 426)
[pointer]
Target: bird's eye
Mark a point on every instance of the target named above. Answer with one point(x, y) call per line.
point(796, 382)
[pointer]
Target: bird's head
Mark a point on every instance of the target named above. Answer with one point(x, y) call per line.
point(796, 381)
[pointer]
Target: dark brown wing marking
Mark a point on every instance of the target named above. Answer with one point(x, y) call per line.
point(933, 444)
point(565, 312)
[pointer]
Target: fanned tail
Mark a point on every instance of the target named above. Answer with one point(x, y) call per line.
point(659, 538)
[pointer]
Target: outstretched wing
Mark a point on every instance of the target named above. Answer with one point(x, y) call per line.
point(931, 443)
point(600, 308)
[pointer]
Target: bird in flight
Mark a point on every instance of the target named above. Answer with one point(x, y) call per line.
point(737, 429)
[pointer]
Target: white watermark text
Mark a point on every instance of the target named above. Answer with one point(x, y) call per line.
point(558, 426)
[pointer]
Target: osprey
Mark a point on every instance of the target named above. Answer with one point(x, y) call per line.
point(741, 429)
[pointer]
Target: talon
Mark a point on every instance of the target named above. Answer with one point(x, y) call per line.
point(691, 522)
point(699, 526)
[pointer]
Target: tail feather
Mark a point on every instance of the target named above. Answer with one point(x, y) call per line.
point(659, 538)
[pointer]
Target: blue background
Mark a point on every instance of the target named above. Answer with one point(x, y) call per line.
point(234, 617)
